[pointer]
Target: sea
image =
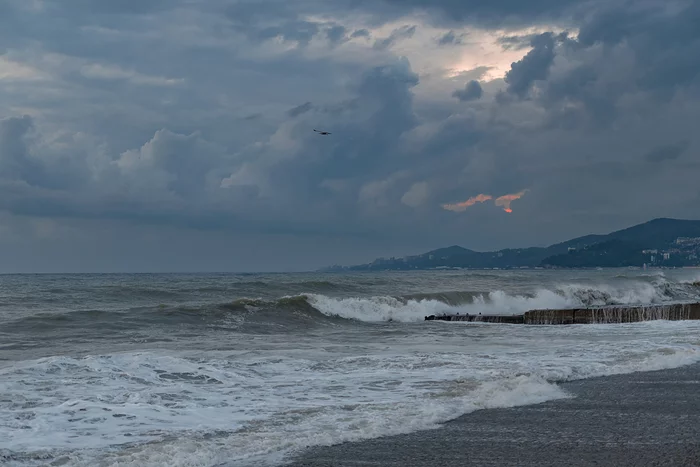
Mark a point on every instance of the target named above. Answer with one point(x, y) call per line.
point(251, 369)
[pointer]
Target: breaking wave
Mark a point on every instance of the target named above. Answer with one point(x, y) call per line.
point(315, 308)
point(140, 382)
point(172, 408)
point(416, 307)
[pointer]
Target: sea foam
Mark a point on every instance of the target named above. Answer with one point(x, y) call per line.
point(185, 408)
point(499, 302)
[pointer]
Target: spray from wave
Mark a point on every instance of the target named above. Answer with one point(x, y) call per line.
point(108, 388)
point(163, 408)
point(378, 309)
point(318, 309)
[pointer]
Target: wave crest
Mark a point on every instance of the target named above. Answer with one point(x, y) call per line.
point(307, 308)
point(415, 307)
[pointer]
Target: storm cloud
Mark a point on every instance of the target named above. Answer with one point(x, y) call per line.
point(193, 121)
point(471, 91)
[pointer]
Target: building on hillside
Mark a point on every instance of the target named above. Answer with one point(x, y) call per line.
point(688, 241)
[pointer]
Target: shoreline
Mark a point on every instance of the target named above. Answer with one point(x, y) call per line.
point(635, 419)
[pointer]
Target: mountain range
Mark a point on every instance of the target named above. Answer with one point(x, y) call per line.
point(659, 242)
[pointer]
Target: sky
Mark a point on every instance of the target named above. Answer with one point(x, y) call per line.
point(177, 135)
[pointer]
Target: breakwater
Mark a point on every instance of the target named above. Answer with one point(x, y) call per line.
point(597, 315)
point(503, 319)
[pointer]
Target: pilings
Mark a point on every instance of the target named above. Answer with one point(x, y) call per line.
point(503, 319)
point(615, 314)
point(598, 315)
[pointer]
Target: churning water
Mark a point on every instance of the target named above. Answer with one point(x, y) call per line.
point(185, 370)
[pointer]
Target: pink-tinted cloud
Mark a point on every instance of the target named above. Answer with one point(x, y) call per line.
point(505, 200)
point(460, 207)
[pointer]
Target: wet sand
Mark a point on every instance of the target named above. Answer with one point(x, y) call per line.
point(639, 419)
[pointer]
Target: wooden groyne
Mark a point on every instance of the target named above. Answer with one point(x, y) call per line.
point(597, 315)
point(503, 319)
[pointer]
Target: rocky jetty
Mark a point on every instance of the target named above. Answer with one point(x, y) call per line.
point(599, 315)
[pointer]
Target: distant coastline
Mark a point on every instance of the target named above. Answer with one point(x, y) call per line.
point(657, 244)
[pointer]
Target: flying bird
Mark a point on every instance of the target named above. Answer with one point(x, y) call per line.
point(323, 133)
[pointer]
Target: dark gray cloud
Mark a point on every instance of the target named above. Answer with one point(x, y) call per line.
point(127, 7)
point(295, 31)
point(380, 113)
point(534, 66)
point(19, 162)
point(516, 42)
point(667, 153)
point(472, 91)
point(490, 12)
point(361, 33)
point(170, 179)
point(250, 13)
point(336, 34)
point(404, 32)
point(614, 24)
point(594, 118)
point(451, 38)
point(15, 163)
point(266, 20)
point(174, 117)
point(300, 109)
point(620, 53)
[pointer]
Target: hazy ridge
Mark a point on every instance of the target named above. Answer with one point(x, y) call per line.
point(635, 246)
